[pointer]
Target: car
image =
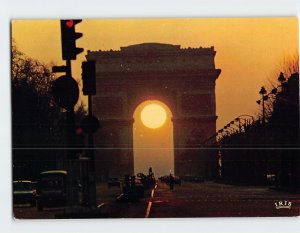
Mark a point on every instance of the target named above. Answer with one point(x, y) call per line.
point(139, 188)
point(113, 182)
point(34, 184)
point(23, 192)
point(271, 179)
point(52, 189)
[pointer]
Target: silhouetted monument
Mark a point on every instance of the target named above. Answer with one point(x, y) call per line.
point(183, 79)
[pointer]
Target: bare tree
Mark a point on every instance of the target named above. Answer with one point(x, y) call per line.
point(288, 66)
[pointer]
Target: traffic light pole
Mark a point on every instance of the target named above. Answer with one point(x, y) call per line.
point(92, 181)
point(90, 124)
point(68, 68)
point(66, 93)
point(72, 188)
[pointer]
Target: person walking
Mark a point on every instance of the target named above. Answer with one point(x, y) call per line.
point(171, 181)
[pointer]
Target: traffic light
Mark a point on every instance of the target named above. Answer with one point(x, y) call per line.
point(89, 77)
point(79, 142)
point(68, 39)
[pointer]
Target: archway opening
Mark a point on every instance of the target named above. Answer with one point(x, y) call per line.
point(153, 138)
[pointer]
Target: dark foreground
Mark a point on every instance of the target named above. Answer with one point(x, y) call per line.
point(206, 199)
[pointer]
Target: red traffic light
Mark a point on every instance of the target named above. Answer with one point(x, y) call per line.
point(68, 39)
point(79, 131)
point(69, 23)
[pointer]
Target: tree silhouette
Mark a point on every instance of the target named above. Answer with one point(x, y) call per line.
point(33, 110)
point(279, 134)
point(38, 124)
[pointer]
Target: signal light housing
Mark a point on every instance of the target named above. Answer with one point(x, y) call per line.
point(89, 77)
point(68, 39)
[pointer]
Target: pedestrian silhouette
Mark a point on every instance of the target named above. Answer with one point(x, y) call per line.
point(171, 182)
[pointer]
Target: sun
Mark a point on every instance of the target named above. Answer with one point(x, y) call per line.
point(153, 116)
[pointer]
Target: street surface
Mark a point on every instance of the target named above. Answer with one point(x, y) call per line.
point(219, 200)
point(206, 199)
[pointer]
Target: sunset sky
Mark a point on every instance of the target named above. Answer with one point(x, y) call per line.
point(249, 51)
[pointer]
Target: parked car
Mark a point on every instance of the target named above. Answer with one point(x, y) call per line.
point(271, 179)
point(23, 192)
point(139, 188)
point(52, 189)
point(113, 182)
point(34, 184)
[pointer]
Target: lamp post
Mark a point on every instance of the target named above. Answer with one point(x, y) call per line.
point(245, 115)
point(264, 97)
point(238, 128)
point(231, 129)
point(246, 123)
point(228, 129)
point(219, 135)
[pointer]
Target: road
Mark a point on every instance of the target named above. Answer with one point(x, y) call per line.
point(206, 199)
point(210, 199)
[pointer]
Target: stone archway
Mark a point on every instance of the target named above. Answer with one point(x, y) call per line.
point(153, 147)
point(183, 79)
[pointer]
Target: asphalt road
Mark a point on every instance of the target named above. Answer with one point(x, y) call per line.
point(206, 199)
point(219, 200)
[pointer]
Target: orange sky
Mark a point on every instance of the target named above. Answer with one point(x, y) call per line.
point(249, 50)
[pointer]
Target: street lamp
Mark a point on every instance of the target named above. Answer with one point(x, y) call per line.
point(264, 97)
point(229, 129)
point(245, 115)
point(238, 126)
point(233, 130)
point(248, 119)
point(219, 134)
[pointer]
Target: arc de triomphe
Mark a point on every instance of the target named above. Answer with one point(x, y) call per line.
point(183, 79)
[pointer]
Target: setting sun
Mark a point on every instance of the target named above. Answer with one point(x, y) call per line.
point(153, 116)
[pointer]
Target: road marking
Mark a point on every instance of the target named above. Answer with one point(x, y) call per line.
point(152, 192)
point(148, 209)
point(102, 204)
point(150, 203)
